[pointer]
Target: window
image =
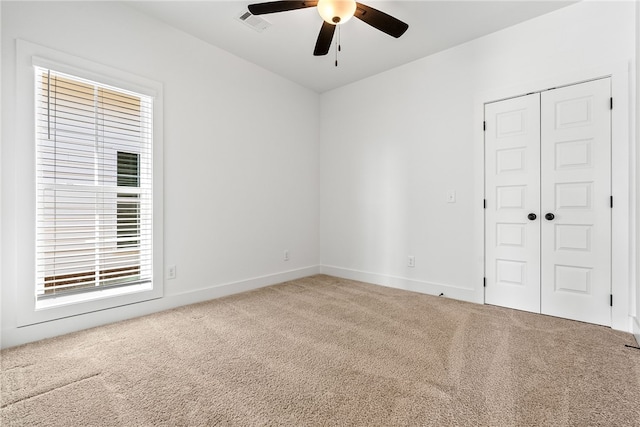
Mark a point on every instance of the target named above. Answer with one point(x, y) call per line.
point(94, 186)
point(88, 204)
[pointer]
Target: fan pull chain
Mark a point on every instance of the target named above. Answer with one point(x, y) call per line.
point(338, 46)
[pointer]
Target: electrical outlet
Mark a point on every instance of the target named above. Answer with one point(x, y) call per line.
point(412, 261)
point(171, 272)
point(286, 255)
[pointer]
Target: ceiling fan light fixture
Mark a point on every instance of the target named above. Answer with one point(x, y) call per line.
point(336, 11)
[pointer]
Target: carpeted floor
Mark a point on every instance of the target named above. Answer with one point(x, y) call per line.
point(322, 351)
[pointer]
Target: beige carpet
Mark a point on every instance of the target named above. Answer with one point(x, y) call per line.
point(322, 351)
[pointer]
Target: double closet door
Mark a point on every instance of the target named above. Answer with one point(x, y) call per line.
point(548, 202)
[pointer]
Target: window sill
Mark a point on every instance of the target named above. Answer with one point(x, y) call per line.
point(80, 298)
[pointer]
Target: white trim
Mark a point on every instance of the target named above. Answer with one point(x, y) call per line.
point(24, 203)
point(89, 70)
point(19, 336)
point(407, 284)
point(623, 167)
point(636, 329)
point(2, 256)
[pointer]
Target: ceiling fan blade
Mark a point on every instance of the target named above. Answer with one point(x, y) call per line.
point(279, 6)
point(324, 39)
point(380, 20)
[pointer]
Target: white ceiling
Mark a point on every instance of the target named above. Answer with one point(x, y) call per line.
point(286, 48)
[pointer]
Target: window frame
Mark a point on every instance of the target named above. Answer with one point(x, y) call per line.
point(30, 309)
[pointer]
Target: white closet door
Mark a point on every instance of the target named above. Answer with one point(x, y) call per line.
point(512, 189)
point(576, 189)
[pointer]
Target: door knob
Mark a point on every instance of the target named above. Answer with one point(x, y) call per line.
point(549, 216)
point(532, 216)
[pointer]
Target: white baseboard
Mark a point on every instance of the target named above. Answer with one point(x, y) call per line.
point(430, 288)
point(17, 336)
point(636, 329)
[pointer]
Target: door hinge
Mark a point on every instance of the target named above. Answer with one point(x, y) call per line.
point(484, 125)
point(484, 204)
point(484, 282)
point(611, 103)
point(611, 201)
point(611, 300)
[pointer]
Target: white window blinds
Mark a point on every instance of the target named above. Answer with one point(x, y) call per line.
point(94, 186)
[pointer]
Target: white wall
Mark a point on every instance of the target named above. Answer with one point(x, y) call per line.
point(636, 325)
point(241, 153)
point(394, 144)
point(241, 157)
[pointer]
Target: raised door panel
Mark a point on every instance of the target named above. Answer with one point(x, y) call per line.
point(576, 187)
point(512, 156)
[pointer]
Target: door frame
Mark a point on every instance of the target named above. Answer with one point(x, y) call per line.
point(623, 171)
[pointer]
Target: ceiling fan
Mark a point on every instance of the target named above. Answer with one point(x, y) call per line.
point(335, 12)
